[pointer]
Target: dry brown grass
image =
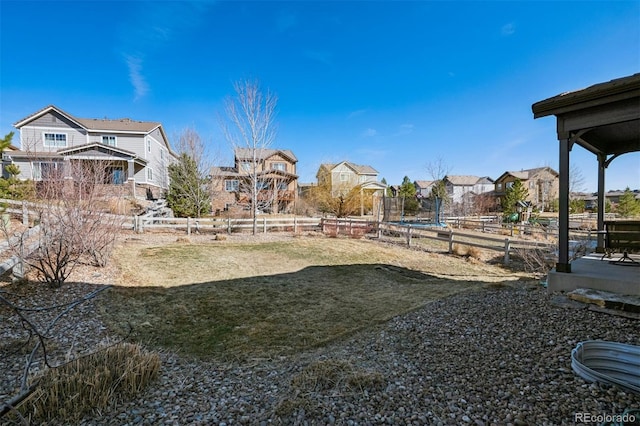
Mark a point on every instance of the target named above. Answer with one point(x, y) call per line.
point(66, 393)
point(260, 299)
point(327, 376)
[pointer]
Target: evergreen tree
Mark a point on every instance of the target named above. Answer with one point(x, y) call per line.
point(11, 187)
point(408, 192)
point(628, 204)
point(513, 194)
point(188, 194)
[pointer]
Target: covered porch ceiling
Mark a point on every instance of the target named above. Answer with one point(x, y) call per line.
point(603, 119)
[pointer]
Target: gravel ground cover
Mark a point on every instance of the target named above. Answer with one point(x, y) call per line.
point(492, 357)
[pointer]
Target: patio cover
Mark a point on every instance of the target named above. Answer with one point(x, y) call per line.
point(603, 119)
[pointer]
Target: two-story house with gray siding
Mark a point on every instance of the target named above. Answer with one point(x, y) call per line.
point(133, 153)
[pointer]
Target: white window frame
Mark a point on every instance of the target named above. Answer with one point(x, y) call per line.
point(231, 185)
point(148, 145)
point(279, 165)
point(57, 138)
point(245, 166)
point(149, 174)
point(36, 168)
point(108, 138)
point(344, 177)
point(162, 155)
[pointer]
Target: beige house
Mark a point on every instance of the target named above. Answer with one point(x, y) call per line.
point(277, 182)
point(541, 183)
point(133, 153)
point(344, 176)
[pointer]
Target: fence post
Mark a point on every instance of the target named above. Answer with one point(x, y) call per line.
point(264, 225)
point(295, 225)
point(379, 229)
point(25, 214)
point(229, 225)
point(450, 240)
point(188, 226)
point(408, 235)
point(483, 226)
point(511, 225)
point(507, 248)
point(141, 225)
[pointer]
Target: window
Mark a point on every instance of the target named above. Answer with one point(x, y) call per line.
point(148, 145)
point(109, 140)
point(282, 186)
point(245, 166)
point(115, 175)
point(162, 154)
point(363, 178)
point(498, 187)
point(55, 140)
point(509, 185)
point(149, 173)
point(262, 185)
point(231, 185)
point(41, 170)
point(344, 177)
point(279, 166)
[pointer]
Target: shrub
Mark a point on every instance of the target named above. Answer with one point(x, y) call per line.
point(68, 392)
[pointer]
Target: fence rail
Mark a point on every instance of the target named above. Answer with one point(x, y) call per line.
point(228, 225)
point(410, 234)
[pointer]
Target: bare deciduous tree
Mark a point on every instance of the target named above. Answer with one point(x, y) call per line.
point(438, 170)
point(249, 127)
point(72, 205)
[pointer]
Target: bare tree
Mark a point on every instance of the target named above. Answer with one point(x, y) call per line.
point(438, 170)
point(72, 205)
point(250, 129)
point(576, 180)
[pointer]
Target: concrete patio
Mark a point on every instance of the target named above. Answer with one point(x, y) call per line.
point(594, 272)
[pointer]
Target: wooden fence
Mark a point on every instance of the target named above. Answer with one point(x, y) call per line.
point(212, 224)
point(518, 236)
point(411, 235)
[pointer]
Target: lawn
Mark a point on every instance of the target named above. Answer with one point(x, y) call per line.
point(227, 300)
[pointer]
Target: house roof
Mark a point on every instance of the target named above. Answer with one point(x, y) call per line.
point(124, 125)
point(462, 180)
point(95, 124)
point(100, 151)
point(263, 154)
point(604, 118)
point(526, 174)
point(424, 183)
point(359, 169)
point(224, 171)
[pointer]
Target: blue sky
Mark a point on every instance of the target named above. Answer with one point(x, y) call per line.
point(392, 84)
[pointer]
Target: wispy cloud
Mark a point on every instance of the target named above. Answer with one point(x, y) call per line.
point(356, 113)
point(508, 29)
point(405, 129)
point(369, 133)
point(140, 86)
point(148, 28)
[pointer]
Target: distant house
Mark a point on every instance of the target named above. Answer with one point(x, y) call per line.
point(134, 153)
point(423, 188)
point(541, 183)
point(277, 181)
point(459, 186)
point(344, 176)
